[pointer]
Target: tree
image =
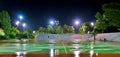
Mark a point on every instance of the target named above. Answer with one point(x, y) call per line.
point(109, 20)
point(0, 22)
point(35, 34)
point(22, 35)
point(58, 30)
point(50, 29)
point(112, 15)
point(85, 28)
point(71, 30)
point(65, 29)
point(5, 22)
point(68, 29)
point(101, 23)
point(42, 30)
point(14, 32)
point(2, 34)
point(30, 34)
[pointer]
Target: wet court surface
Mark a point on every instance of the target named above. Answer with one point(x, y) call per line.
point(82, 49)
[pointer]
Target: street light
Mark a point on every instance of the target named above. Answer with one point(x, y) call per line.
point(77, 22)
point(21, 17)
point(24, 25)
point(51, 22)
point(33, 31)
point(20, 22)
point(92, 24)
point(17, 23)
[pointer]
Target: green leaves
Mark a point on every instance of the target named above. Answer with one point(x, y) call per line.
point(42, 30)
point(86, 28)
point(5, 22)
point(58, 30)
point(109, 19)
point(2, 33)
point(66, 29)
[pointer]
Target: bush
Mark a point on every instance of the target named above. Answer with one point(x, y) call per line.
point(12, 35)
point(22, 35)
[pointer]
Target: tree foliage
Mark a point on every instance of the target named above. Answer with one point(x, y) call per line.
point(110, 19)
point(30, 34)
point(5, 22)
point(101, 23)
point(50, 29)
point(2, 33)
point(68, 29)
point(22, 35)
point(86, 28)
point(58, 30)
point(71, 30)
point(42, 30)
point(14, 32)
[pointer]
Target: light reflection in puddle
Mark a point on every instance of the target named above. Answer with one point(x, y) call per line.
point(18, 54)
point(52, 52)
point(76, 51)
point(21, 54)
point(22, 47)
point(91, 53)
point(92, 50)
point(18, 46)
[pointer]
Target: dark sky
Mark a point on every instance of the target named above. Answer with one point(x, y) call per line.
point(38, 12)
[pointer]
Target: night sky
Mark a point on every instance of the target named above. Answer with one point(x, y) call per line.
point(39, 12)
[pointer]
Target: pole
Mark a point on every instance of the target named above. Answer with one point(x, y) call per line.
point(94, 36)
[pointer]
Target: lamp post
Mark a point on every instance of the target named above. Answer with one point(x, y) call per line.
point(20, 18)
point(92, 24)
point(24, 25)
point(76, 24)
point(17, 23)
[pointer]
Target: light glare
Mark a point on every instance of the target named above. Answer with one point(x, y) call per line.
point(21, 17)
point(76, 53)
point(24, 25)
point(51, 22)
point(17, 23)
point(76, 22)
point(92, 24)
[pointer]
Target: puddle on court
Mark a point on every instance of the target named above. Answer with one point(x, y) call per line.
point(91, 48)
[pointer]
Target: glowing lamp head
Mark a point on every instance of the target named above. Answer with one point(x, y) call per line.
point(33, 31)
point(77, 22)
point(21, 17)
point(51, 22)
point(92, 24)
point(24, 25)
point(17, 23)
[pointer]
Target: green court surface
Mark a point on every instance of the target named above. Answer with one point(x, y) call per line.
point(37, 47)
